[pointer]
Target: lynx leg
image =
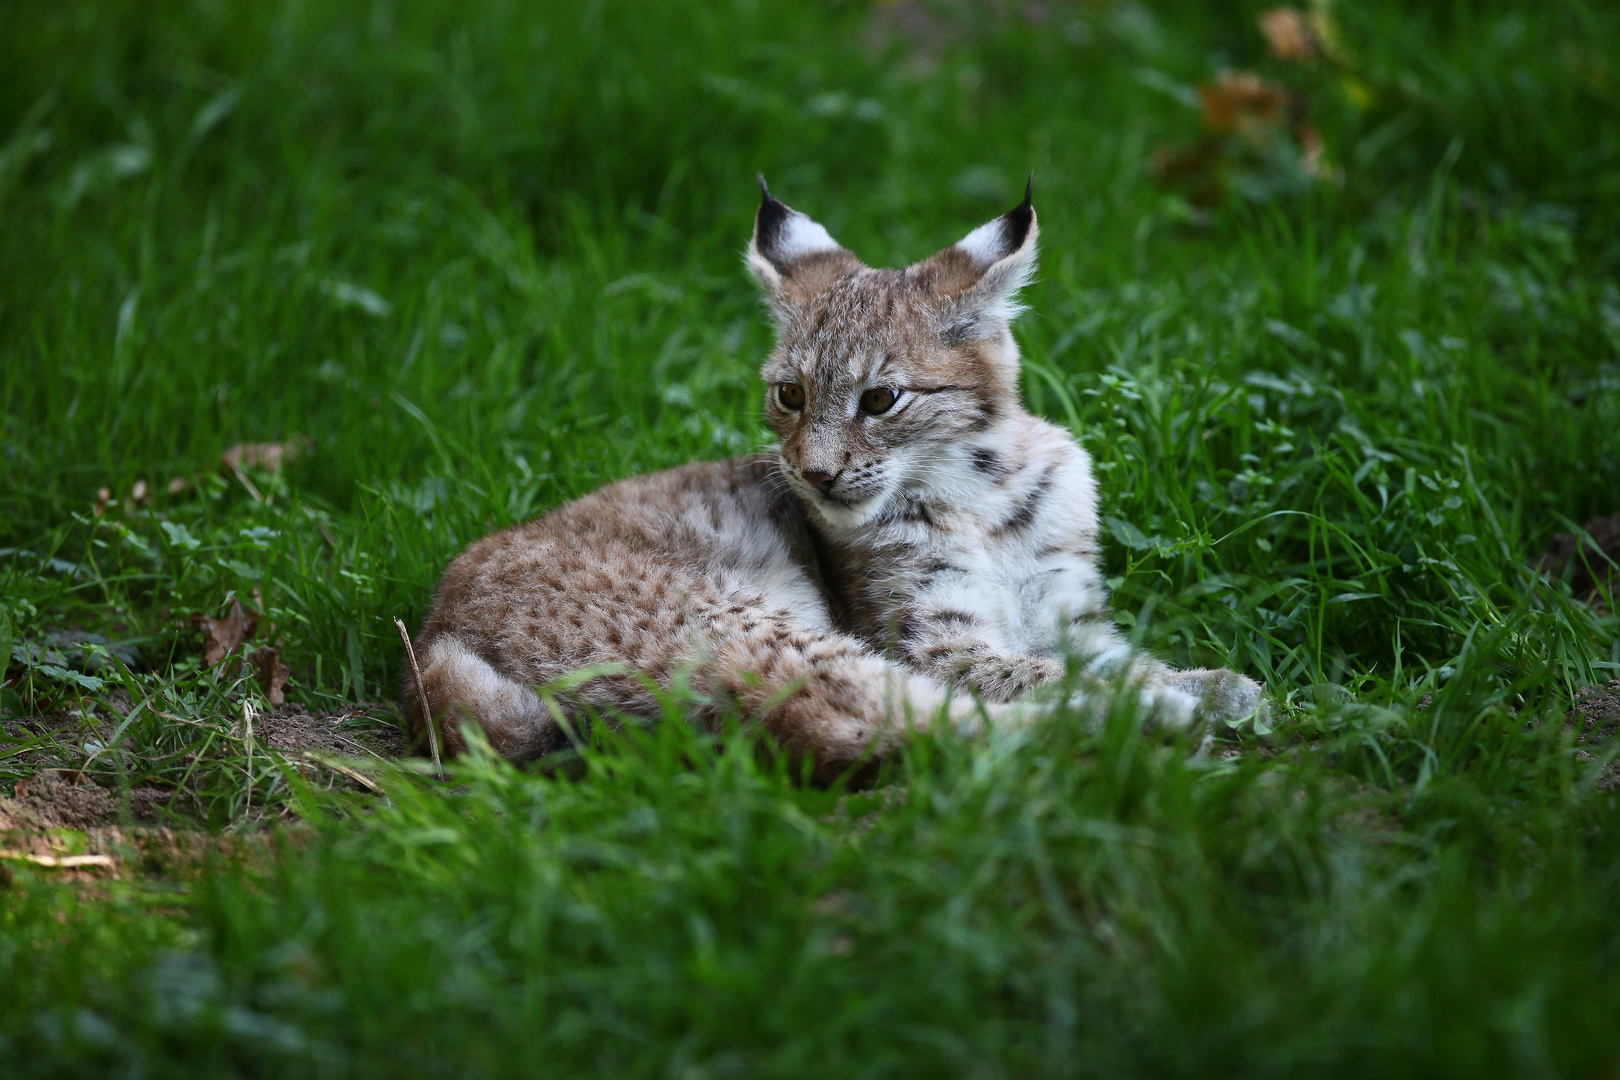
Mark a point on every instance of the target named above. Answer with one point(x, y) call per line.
point(463, 688)
point(821, 694)
point(826, 696)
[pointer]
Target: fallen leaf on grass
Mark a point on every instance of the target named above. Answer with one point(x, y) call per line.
point(222, 636)
point(1241, 103)
point(1257, 143)
point(1287, 35)
point(269, 456)
point(271, 673)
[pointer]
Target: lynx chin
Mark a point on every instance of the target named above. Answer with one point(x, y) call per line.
point(917, 550)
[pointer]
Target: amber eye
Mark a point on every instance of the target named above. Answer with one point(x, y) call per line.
point(877, 401)
point(790, 395)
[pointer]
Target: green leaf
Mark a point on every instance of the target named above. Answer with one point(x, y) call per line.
point(89, 682)
point(179, 536)
point(1129, 534)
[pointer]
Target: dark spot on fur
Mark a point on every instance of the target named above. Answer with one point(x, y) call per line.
point(1025, 513)
point(988, 461)
point(912, 511)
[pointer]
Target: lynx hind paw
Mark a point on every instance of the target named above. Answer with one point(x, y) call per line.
point(1223, 696)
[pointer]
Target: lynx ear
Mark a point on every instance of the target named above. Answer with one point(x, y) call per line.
point(792, 257)
point(982, 273)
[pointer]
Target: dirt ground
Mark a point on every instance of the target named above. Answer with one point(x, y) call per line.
point(291, 729)
point(62, 798)
point(1590, 564)
point(59, 822)
point(62, 822)
point(1596, 720)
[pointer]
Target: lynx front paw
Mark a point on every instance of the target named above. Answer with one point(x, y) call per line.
point(1223, 696)
point(1155, 704)
point(1167, 707)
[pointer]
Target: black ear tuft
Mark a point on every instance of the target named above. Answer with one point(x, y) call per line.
point(783, 237)
point(1015, 223)
point(768, 223)
point(1001, 237)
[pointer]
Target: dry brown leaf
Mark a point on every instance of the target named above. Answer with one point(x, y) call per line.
point(1287, 34)
point(1242, 103)
point(269, 456)
point(222, 636)
point(271, 673)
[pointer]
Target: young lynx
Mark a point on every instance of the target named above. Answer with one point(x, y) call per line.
point(916, 540)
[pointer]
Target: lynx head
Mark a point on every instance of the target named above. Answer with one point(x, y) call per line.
point(884, 382)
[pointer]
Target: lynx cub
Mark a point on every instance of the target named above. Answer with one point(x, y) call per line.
point(917, 539)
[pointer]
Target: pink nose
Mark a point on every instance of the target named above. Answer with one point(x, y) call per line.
point(821, 481)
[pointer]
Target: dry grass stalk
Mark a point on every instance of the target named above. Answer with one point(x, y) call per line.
point(421, 692)
point(65, 862)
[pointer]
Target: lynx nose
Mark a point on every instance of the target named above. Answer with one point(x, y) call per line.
point(821, 481)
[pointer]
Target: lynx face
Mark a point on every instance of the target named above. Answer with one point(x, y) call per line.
point(880, 377)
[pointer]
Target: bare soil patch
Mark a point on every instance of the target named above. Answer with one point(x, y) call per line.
point(1596, 720)
point(293, 729)
point(1589, 561)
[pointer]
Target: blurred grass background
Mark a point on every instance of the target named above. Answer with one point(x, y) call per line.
point(1341, 332)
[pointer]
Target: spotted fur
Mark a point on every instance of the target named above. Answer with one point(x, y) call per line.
point(872, 574)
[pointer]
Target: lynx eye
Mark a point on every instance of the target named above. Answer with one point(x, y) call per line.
point(877, 401)
point(790, 395)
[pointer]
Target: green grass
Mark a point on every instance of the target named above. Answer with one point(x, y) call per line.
point(485, 259)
